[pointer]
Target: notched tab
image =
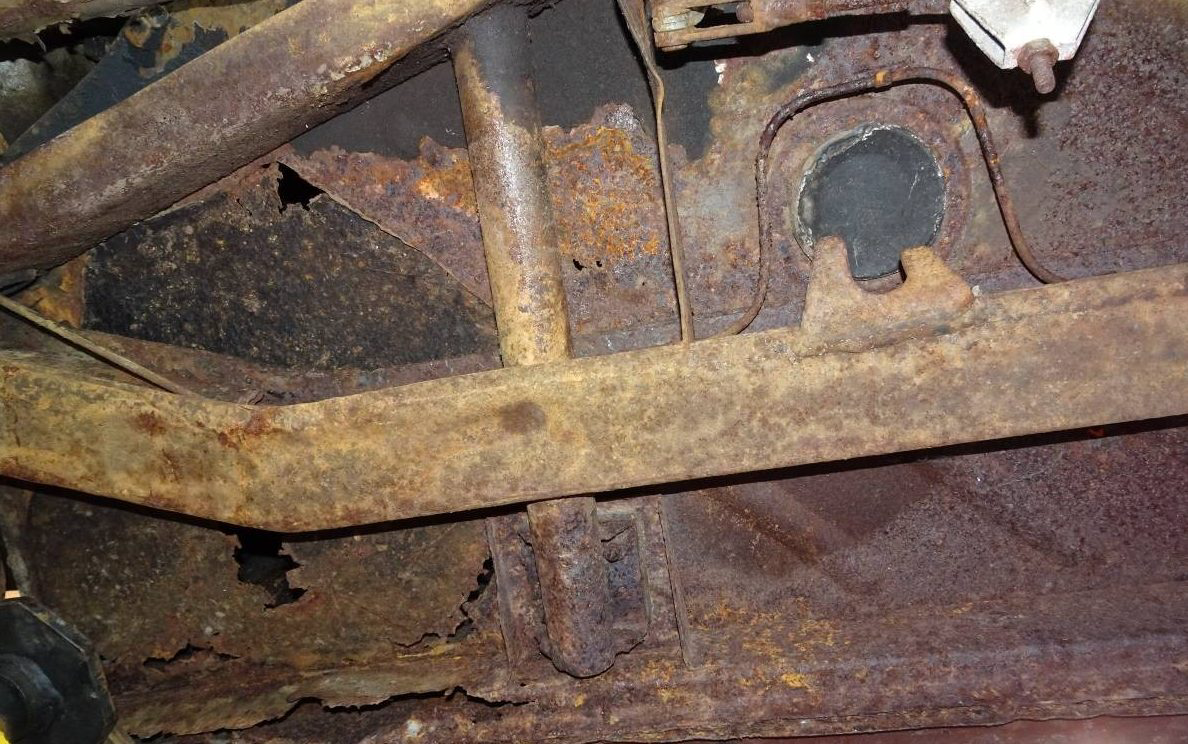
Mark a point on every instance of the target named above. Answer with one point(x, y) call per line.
point(838, 311)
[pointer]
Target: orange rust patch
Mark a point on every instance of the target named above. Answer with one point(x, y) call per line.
point(606, 194)
point(450, 184)
point(150, 423)
point(258, 425)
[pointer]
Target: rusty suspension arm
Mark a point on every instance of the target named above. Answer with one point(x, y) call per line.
point(187, 130)
point(1082, 353)
point(25, 17)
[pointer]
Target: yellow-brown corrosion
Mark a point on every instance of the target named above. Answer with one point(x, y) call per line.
point(606, 194)
point(519, 230)
point(727, 405)
point(231, 17)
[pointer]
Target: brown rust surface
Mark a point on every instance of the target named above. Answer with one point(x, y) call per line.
point(428, 203)
point(60, 295)
point(724, 405)
point(281, 280)
point(605, 198)
point(837, 310)
point(1026, 578)
point(192, 641)
point(984, 666)
point(189, 128)
point(1056, 153)
point(574, 585)
point(758, 16)
point(364, 597)
point(27, 17)
point(917, 606)
point(520, 238)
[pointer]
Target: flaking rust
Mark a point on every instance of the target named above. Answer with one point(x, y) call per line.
point(605, 195)
point(1035, 578)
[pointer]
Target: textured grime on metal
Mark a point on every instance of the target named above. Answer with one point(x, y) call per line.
point(574, 585)
point(977, 666)
point(363, 598)
point(725, 405)
point(337, 291)
point(1029, 578)
point(888, 594)
point(605, 198)
point(428, 203)
point(791, 610)
point(196, 638)
point(189, 128)
point(520, 239)
point(27, 17)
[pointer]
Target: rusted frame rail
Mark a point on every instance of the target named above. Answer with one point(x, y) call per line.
point(26, 17)
point(904, 377)
point(190, 128)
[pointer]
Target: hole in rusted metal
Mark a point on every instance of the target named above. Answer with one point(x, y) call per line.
point(262, 563)
point(187, 653)
point(722, 14)
point(293, 189)
point(483, 581)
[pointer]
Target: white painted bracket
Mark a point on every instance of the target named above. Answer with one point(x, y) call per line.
point(1001, 28)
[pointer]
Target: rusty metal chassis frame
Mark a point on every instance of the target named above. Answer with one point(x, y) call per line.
point(926, 365)
point(1093, 352)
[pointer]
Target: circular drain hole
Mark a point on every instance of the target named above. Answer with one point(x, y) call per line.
point(880, 189)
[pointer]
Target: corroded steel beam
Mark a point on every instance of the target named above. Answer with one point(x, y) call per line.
point(676, 21)
point(214, 114)
point(492, 64)
point(1087, 352)
point(23, 17)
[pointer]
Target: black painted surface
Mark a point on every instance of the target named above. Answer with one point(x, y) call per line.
point(582, 59)
point(284, 284)
point(880, 189)
point(394, 122)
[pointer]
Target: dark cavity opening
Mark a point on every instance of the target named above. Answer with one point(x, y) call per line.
point(878, 188)
point(262, 563)
point(293, 189)
point(722, 14)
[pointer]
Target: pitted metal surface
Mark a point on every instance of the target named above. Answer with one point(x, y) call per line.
point(1033, 577)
